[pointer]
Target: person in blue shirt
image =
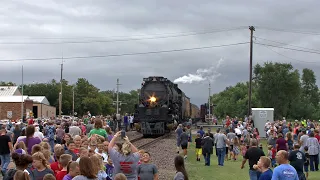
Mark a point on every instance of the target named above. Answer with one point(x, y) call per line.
point(284, 171)
point(201, 132)
point(263, 166)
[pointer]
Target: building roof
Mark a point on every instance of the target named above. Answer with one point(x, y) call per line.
point(13, 99)
point(9, 91)
point(40, 99)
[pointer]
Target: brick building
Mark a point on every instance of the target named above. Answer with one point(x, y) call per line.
point(11, 106)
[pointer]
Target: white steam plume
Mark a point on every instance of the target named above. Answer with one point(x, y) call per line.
point(210, 74)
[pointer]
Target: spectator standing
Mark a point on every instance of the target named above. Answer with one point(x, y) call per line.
point(126, 159)
point(178, 132)
point(59, 134)
point(207, 148)
point(263, 166)
point(98, 129)
point(253, 154)
point(50, 133)
point(313, 149)
point(297, 160)
point(181, 173)
point(221, 142)
point(184, 142)
point(29, 140)
point(74, 129)
point(281, 143)
point(6, 148)
point(284, 171)
point(303, 140)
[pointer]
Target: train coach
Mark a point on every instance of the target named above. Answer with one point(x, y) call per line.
point(161, 103)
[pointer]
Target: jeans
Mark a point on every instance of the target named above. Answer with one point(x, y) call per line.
point(314, 162)
point(51, 142)
point(5, 160)
point(221, 155)
point(207, 159)
point(254, 175)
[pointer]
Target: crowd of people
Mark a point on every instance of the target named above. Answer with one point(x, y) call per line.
point(86, 149)
point(292, 149)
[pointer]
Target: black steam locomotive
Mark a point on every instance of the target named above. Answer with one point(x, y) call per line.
point(161, 103)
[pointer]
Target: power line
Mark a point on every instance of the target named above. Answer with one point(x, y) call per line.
point(286, 44)
point(128, 39)
point(124, 54)
point(301, 50)
point(290, 31)
point(288, 56)
point(137, 35)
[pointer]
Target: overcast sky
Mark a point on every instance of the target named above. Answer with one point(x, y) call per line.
point(36, 28)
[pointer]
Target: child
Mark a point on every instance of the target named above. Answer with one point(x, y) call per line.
point(71, 147)
point(41, 166)
point(102, 154)
point(243, 149)
point(109, 169)
point(306, 164)
point(97, 166)
point(20, 148)
point(21, 175)
point(73, 171)
point(273, 159)
point(64, 161)
point(49, 177)
point(270, 154)
point(85, 144)
point(56, 166)
point(146, 170)
point(120, 176)
point(82, 153)
point(236, 149)
point(141, 152)
point(198, 141)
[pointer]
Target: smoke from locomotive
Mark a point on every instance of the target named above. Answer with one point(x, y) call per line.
point(161, 103)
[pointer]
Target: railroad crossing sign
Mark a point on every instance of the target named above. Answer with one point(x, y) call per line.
point(9, 114)
point(263, 114)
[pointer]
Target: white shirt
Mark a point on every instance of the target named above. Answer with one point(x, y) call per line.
point(39, 135)
point(104, 155)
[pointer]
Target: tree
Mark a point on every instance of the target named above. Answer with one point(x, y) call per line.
point(310, 90)
point(278, 84)
point(233, 101)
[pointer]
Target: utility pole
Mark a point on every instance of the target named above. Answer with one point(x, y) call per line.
point(251, 28)
point(22, 94)
point(73, 101)
point(118, 95)
point(209, 100)
point(60, 94)
point(117, 102)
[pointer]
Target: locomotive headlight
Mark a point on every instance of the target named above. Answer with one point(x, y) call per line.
point(153, 99)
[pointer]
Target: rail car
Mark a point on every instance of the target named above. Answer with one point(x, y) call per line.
point(161, 103)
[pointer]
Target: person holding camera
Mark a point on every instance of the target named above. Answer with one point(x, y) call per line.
point(125, 160)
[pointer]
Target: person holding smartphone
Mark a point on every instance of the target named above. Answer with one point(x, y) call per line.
point(126, 159)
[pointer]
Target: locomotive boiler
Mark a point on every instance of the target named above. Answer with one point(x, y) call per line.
point(161, 102)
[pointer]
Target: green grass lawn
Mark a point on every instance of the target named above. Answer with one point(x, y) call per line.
point(230, 171)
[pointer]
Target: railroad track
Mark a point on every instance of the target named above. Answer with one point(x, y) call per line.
point(152, 141)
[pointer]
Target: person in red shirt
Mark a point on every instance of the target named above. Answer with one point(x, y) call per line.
point(56, 166)
point(228, 122)
point(316, 134)
point(65, 159)
point(31, 121)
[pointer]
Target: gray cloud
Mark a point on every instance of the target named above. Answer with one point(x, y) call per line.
point(30, 20)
